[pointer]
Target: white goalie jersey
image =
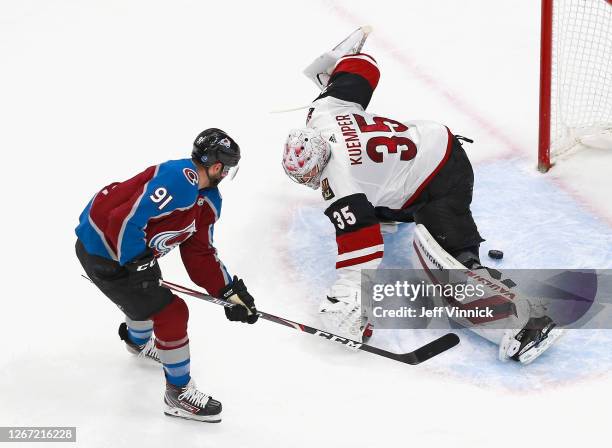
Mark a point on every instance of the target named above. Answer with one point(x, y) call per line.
point(389, 161)
point(375, 161)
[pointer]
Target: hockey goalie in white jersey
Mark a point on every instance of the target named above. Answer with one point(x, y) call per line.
point(375, 170)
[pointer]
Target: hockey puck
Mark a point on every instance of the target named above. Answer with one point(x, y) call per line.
point(496, 254)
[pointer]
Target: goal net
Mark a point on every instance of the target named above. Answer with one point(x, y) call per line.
point(576, 77)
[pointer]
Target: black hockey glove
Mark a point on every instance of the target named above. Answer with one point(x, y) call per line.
point(244, 311)
point(144, 272)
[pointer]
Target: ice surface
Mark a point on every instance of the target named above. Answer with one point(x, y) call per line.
point(506, 199)
point(94, 91)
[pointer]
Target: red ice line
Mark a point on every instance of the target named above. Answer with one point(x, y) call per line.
point(432, 83)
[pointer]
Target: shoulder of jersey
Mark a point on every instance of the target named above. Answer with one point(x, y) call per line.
point(180, 172)
point(180, 177)
point(212, 197)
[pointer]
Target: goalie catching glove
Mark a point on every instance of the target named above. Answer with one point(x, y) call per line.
point(236, 293)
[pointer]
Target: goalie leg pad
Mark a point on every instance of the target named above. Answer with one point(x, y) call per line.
point(429, 255)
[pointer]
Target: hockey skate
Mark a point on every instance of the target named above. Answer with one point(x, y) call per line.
point(319, 71)
point(527, 344)
point(189, 403)
point(146, 351)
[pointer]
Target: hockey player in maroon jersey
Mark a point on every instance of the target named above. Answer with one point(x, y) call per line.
point(374, 171)
point(128, 225)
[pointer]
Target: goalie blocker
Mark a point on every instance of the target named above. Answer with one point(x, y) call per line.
point(520, 334)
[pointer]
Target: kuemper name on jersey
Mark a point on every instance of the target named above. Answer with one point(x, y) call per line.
point(351, 139)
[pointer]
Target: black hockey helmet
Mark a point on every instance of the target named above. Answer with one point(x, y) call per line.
point(213, 145)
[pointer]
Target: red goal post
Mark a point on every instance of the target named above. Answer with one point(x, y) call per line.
point(575, 77)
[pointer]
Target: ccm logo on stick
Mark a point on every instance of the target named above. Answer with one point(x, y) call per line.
point(343, 341)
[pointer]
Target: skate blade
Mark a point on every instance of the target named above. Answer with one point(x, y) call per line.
point(177, 413)
point(534, 353)
point(355, 41)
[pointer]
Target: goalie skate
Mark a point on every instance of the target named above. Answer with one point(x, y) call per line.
point(527, 344)
point(321, 68)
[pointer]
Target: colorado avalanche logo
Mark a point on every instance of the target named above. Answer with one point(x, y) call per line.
point(191, 175)
point(164, 242)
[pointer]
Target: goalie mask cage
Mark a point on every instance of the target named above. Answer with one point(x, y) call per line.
point(575, 76)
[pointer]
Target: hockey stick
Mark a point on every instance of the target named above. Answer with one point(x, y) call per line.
point(421, 354)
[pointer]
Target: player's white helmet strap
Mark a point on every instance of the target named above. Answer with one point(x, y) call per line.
point(305, 156)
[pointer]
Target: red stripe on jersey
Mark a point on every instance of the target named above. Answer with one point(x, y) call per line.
point(360, 239)
point(359, 66)
point(359, 260)
point(418, 191)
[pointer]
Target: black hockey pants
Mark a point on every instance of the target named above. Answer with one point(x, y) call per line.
point(443, 206)
point(445, 209)
point(112, 279)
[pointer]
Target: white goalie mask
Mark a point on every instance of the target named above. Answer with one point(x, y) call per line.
point(305, 156)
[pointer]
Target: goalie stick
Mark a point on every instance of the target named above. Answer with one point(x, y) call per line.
point(417, 356)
